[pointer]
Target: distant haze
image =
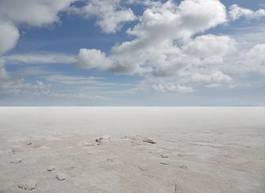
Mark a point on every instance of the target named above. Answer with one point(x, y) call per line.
point(122, 121)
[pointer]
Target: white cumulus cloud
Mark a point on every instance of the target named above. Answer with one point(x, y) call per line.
point(253, 60)
point(29, 12)
point(236, 12)
point(92, 58)
point(9, 35)
point(163, 44)
point(32, 12)
point(110, 14)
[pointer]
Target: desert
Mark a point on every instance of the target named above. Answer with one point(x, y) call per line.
point(132, 149)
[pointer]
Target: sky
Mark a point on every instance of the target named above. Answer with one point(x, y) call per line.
point(132, 52)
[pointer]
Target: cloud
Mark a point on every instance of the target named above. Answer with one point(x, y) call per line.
point(169, 45)
point(35, 58)
point(110, 14)
point(29, 12)
point(204, 77)
point(158, 29)
point(200, 15)
point(253, 60)
point(8, 36)
point(213, 77)
point(209, 46)
point(11, 84)
point(236, 12)
point(73, 80)
point(256, 55)
point(144, 2)
point(163, 45)
point(170, 87)
point(92, 58)
point(3, 73)
point(166, 60)
point(170, 21)
point(32, 12)
point(36, 13)
point(15, 83)
point(18, 86)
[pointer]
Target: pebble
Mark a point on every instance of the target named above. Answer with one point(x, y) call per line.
point(163, 163)
point(28, 185)
point(29, 143)
point(99, 141)
point(16, 161)
point(61, 177)
point(183, 166)
point(147, 140)
point(163, 156)
point(51, 168)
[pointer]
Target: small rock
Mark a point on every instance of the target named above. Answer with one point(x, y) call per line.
point(110, 160)
point(29, 143)
point(183, 166)
point(61, 177)
point(15, 150)
point(147, 140)
point(99, 141)
point(163, 163)
point(51, 168)
point(178, 189)
point(28, 185)
point(163, 156)
point(141, 168)
point(16, 161)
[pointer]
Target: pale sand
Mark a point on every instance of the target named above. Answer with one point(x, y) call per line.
point(142, 150)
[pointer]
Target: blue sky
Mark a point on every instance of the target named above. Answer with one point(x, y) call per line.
point(131, 52)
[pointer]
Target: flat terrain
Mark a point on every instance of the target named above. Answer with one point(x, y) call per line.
point(132, 150)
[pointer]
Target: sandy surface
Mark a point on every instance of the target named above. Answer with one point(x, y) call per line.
point(132, 150)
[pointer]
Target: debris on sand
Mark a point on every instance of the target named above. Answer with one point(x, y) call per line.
point(100, 140)
point(183, 166)
point(29, 142)
point(61, 177)
point(28, 185)
point(51, 168)
point(163, 156)
point(141, 168)
point(16, 161)
point(16, 149)
point(177, 189)
point(147, 140)
point(163, 163)
point(110, 160)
